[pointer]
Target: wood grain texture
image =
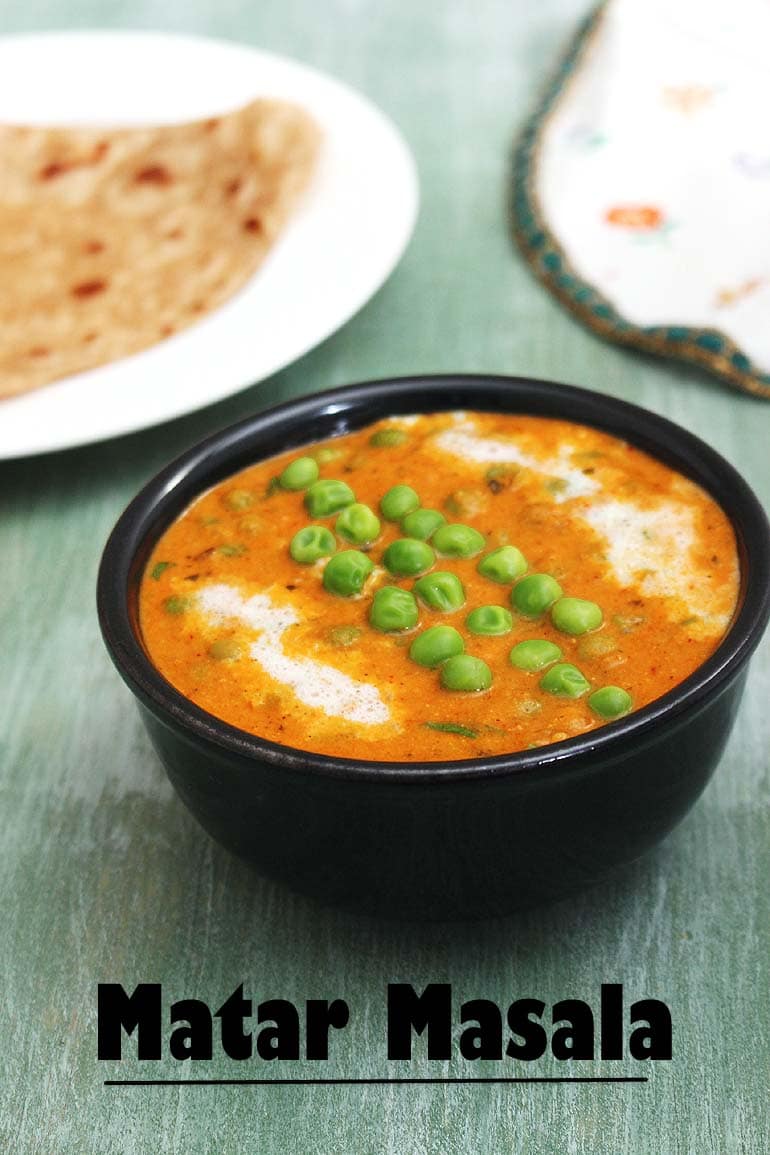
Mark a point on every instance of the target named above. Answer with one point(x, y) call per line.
point(105, 877)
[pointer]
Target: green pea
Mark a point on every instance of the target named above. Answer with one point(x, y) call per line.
point(576, 616)
point(176, 604)
point(343, 635)
point(534, 654)
point(490, 620)
point(388, 438)
point(358, 523)
point(458, 540)
point(393, 609)
point(346, 572)
point(610, 702)
point(536, 593)
point(238, 499)
point(499, 477)
point(398, 502)
point(225, 650)
point(465, 502)
point(433, 646)
point(324, 498)
point(407, 556)
point(528, 706)
point(311, 543)
point(503, 565)
point(565, 681)
point(596, 646)
point(251, 524)
point(299, 474)
point(464, 672)
point(326, 454)
point(441, 591)
point(556, 484)
point(422, 523)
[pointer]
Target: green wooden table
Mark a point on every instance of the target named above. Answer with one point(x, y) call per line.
point(105, 876)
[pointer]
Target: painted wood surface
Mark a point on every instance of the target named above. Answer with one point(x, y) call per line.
point(105, 877)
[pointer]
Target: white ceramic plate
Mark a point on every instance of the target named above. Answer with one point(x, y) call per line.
point(337, 250)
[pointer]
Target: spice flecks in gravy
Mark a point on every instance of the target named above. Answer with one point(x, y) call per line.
point(252, 636)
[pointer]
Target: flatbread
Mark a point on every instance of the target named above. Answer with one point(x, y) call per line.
point(112, 240)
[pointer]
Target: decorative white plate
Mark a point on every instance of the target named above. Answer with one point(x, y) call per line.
point(342, 243)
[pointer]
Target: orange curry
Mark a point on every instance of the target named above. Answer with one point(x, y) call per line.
point(255, 637)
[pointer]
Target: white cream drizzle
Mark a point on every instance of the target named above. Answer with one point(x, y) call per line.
point(315, 684)
point(463, 442)
point(651, 549)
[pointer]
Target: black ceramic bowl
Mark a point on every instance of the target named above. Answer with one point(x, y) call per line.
point(438, 840)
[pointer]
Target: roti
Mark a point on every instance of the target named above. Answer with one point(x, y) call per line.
point(113, 240)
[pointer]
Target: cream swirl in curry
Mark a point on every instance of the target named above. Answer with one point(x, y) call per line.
point(440, 586)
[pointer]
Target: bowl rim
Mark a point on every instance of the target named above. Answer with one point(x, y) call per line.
point(172, 489)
